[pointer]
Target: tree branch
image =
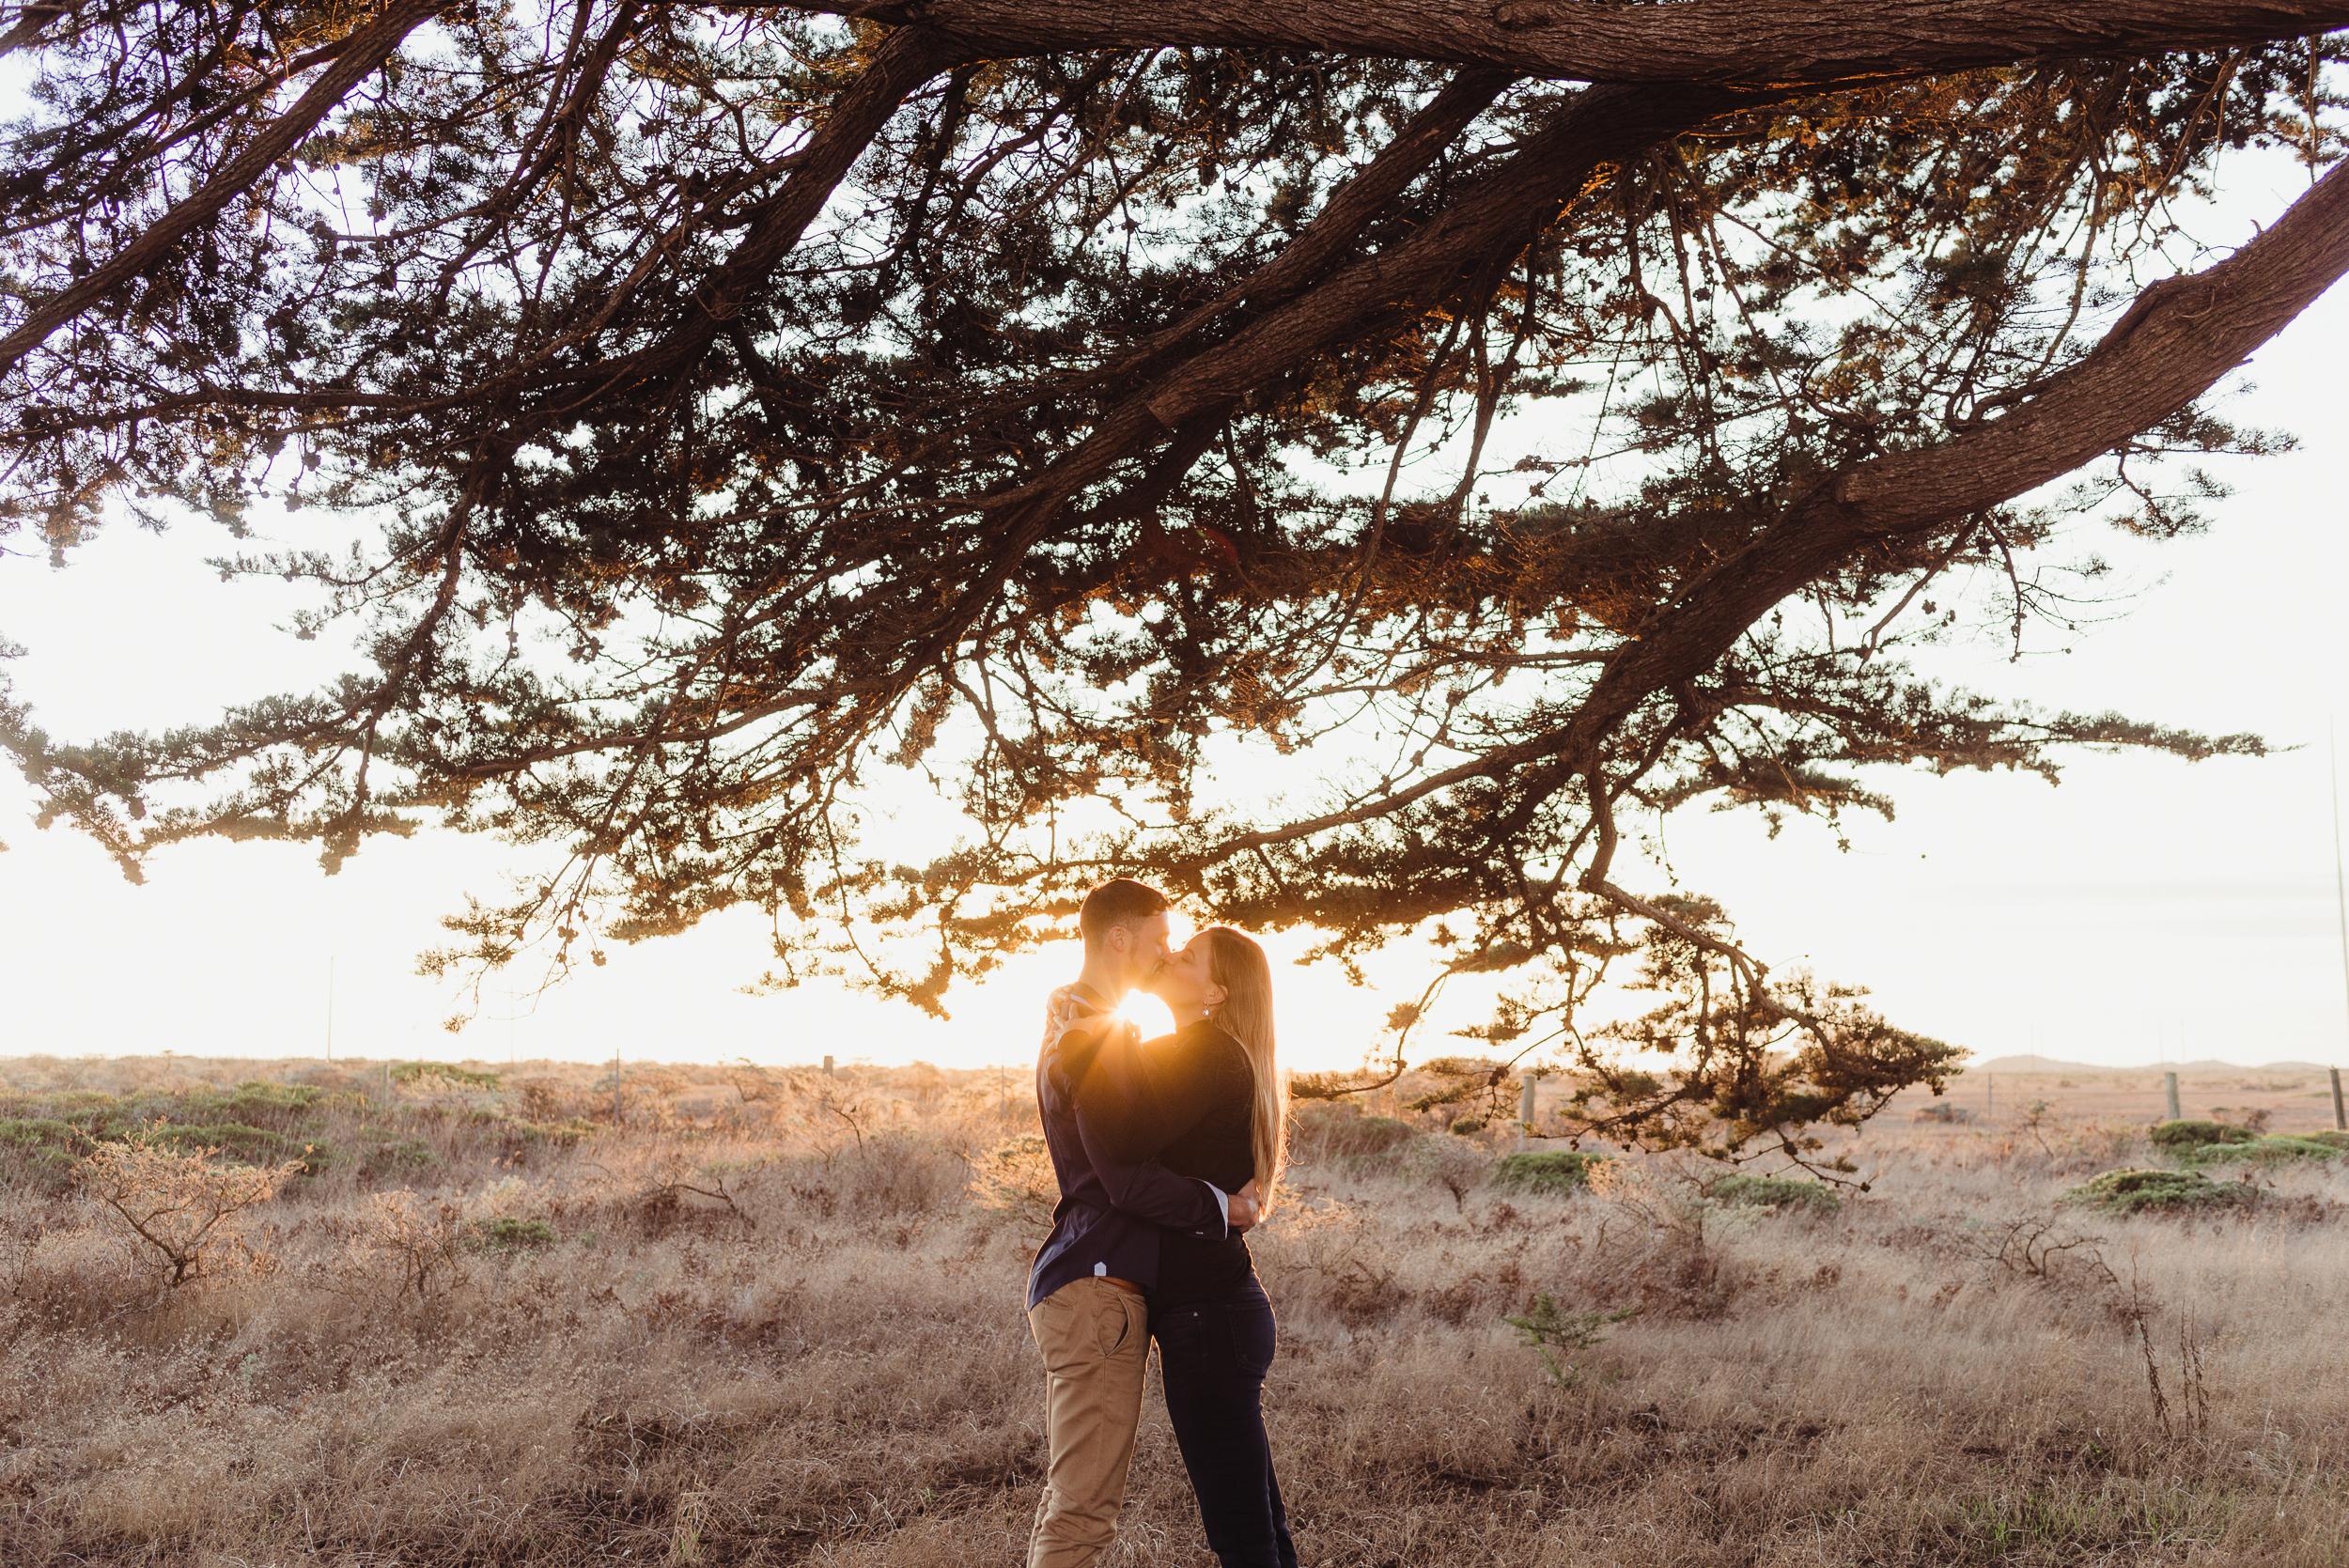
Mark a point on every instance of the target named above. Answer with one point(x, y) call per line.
point(1774, 43)
point(366, 52)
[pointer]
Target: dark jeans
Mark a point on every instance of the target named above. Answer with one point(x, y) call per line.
point(1214, 1355)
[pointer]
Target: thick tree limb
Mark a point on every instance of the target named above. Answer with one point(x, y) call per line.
point(909, 59)
point(2179, 338)
point(1499, 212)
point(1498, 215)
point(367, 51)
point(1351, 208)
point(1723, 41)
point(2173, 345)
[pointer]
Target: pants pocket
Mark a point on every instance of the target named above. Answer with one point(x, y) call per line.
point(1114, 1327)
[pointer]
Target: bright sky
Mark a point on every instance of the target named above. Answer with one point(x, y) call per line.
point(2145, 910)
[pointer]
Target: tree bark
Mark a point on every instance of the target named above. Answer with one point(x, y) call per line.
point(1774, 43)
point(909, 59)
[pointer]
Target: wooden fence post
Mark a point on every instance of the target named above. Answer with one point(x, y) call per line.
point(2169, 1084)
point(2341, 1119)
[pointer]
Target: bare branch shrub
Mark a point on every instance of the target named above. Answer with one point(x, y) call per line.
point(897, 1172)
point(2094, 1146)
point(547, 1099)
point(1457, 1164)
point(1655, 1248)
point(1326, 1253)
point(2037, 1247)
point(419, 1241)
point(179, 1208)
point(1015, 1179)
point(824, 1107)
point(753, 1084)
point(677, 1179)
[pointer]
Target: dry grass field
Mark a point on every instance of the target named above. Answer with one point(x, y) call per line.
point(771, 1316)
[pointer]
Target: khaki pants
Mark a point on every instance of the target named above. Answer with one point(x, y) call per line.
point(1096, 1340)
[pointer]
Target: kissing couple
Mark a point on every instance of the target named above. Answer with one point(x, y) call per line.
point(1166, 1151)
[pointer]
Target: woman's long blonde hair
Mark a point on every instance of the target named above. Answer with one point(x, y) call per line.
point(1235, 963)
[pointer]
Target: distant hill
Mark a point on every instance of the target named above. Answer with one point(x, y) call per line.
point(2038, 1066)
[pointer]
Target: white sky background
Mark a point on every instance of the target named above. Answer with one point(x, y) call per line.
point(2145, 910)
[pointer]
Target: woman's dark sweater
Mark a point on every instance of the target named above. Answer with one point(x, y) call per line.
point(1193, 1117)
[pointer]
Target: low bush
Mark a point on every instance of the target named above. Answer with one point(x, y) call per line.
point(1458, 1165)
point(2277, 1149)
point(1559, 1170)
point(508, 1234)
point(398, 1157)
point(248, 1145)
point(42, 1153)
point(2331, 1139)
point(1746, 1190)
point(418, 1241)
point(2189, 1134)
point(180, 1210)
point(2159, 1191)
point(898, 1174)
point(1015, 1178)
point(45, 1132)
point(276, 1106)
point(440, 1074)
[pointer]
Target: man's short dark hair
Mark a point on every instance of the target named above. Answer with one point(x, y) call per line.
point(1118, 902)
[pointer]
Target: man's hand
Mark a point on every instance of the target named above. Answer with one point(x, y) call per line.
point(1244, 1211)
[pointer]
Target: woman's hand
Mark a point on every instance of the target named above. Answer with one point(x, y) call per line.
point(1243, 1212)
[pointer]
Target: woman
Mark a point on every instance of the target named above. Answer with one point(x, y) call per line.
point(1216, 1109)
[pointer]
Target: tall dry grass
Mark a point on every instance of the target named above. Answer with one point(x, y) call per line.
point(774, 1317)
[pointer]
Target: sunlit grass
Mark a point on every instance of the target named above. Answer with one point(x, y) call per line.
point(773, 1316)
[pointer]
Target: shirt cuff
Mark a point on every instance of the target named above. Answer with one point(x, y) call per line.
point(1222, 1204)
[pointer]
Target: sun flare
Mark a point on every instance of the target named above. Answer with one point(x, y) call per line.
point(1147, 1014)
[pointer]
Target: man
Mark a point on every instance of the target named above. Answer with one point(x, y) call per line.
point(1085, 1290)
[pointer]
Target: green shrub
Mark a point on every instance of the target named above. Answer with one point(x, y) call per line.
point(398, 1155)
point(508, 1234)
point(1747, 1190)
point(255, 1124)
point(410, 1072)
point(43, 1154)
point(1559, 1170)
point(247, 1145)
point(46, 1133)
point(70, 1104)
point(518, 1136)
point(1467, 1126)
point(1549, 1328)
point(2276, 1150)
point(254, 1103)
point(2331, 1139)
point(2159, 1191)
point(2193, 1134)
